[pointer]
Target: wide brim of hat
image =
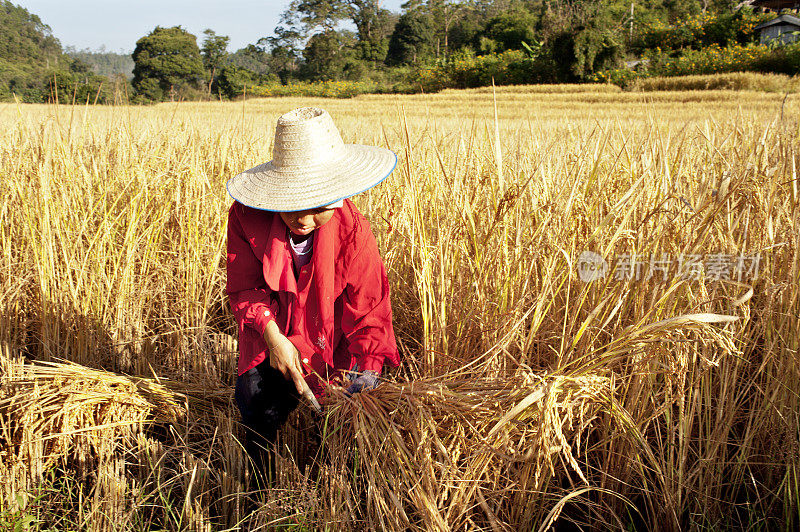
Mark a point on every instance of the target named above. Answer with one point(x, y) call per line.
point(355, 169)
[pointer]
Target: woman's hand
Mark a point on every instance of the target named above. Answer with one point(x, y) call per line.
point(284, 357)
point(363, 382)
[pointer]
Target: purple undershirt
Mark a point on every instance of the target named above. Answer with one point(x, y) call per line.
point(302, 249)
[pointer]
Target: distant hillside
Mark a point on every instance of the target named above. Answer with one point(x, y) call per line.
point(27, 50)
point(25, 38)
point(104, 63)
point(33, 67)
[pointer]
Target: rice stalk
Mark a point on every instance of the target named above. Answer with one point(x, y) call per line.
point(111, 231)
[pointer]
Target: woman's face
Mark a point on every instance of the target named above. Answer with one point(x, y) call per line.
point(303, 222)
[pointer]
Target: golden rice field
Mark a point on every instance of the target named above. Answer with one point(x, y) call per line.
point(662, 395)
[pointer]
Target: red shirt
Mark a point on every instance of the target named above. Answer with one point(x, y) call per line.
point(337, 310)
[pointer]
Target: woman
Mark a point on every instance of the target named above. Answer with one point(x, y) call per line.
point(305, 281)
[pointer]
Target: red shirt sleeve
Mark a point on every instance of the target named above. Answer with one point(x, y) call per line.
point(367, 310)
point(250, 299)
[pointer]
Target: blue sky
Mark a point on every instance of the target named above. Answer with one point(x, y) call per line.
point(117, 25)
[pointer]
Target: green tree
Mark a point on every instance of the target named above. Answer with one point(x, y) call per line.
point(441, 15)
point(304, 19)
point(328, 54)
point(284, 54)
point(509, 30)
point(286, 46)
point(680, 9)
point(254, 57)
point(583, 36)
point(215, 53)
point(465, 32)
point(167, 62)
point(79, 85)
point(374, 27)
point(319, 15)
point(412, 41)
point(232, 80)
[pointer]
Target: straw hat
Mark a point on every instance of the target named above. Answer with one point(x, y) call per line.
point(311, 167)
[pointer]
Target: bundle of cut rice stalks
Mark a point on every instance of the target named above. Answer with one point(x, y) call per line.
point(444, 454)
point(73, 416)
point(454, 452)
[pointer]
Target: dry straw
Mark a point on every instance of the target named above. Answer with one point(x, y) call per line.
point(421, 453)
point(526, 396)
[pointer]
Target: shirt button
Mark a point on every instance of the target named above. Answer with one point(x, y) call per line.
point(266, 313)
point(305, 361)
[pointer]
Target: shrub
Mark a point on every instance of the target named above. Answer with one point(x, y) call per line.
point(702, 30)
point(320, 89)
point(734, 58)
point(73, 87)
point(622, 77)
point(466, 70)
point(543, 88)
point(232, 80)
point(507, 31)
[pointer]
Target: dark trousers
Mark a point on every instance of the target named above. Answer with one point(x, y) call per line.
point(265, 399)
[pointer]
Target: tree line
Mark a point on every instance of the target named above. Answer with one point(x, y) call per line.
point(103, 62)
point(34, 68)
point(357, 40)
